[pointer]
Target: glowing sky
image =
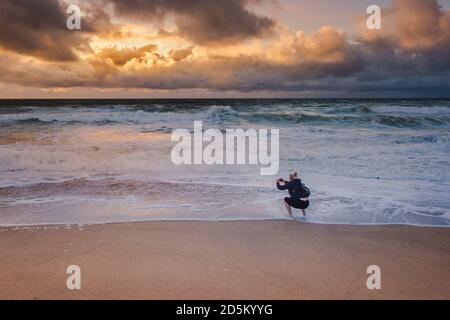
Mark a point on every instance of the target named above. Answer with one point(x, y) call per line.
point(224, 48)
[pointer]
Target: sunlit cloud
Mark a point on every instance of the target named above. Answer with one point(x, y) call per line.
point(219, 46)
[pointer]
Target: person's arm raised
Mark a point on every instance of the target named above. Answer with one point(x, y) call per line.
point(282, 187)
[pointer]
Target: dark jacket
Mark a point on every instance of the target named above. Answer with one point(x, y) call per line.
point(295, 188)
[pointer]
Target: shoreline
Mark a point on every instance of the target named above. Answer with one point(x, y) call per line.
point(85, 224)
point(297, 219)
point(270, 259)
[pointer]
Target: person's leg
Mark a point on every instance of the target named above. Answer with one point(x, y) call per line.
point(305, 204)
point(288, 207)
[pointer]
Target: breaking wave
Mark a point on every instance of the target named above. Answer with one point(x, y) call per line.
point(363, 115)
point(366, 161)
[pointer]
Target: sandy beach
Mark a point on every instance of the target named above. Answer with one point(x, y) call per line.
point(224, 260)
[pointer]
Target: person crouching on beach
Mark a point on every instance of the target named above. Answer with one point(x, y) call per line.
point(299, 193)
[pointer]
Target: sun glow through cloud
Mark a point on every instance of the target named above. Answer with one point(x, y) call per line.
point(239, 47)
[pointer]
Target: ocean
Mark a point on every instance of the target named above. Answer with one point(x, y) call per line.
point(366, 161)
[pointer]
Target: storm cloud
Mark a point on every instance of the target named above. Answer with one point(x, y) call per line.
point(409, 56)
point(202, 21)
point(38, 29)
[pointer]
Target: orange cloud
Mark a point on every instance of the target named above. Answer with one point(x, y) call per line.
point(325, 45)
point(123, 55)
point(181, 54)
point(419, 25)
point(414, 50)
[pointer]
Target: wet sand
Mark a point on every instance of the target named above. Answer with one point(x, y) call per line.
point(224, 260)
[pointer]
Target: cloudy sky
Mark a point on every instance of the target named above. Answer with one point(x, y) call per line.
point(224, 48)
